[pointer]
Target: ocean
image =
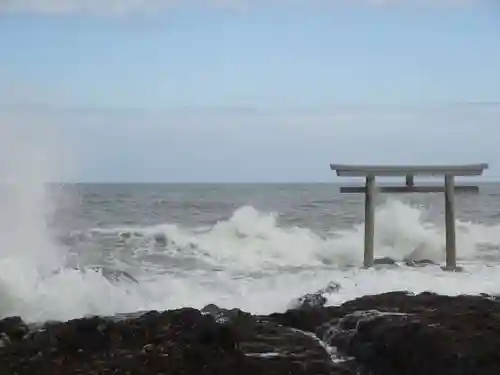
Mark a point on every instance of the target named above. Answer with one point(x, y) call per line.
point(252, 246)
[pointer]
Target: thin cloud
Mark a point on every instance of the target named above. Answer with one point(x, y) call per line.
point(214, 145)
point(135, 6)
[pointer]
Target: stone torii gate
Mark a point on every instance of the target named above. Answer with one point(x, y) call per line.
point(410, 171)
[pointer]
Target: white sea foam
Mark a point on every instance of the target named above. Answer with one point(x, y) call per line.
point(253, 241)
point(249, 261)
point(293, 261)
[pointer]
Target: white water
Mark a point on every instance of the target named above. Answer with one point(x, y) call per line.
point(260, 266)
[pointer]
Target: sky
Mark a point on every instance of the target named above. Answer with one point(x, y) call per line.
point(250, 91)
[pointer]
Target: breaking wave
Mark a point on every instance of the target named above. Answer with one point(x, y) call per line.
point(253, 241)
point(252, 262)
point(248, 261)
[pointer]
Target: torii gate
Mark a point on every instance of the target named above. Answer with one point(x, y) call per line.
point(410, 171)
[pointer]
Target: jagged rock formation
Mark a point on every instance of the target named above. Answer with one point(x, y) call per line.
point(387, 334)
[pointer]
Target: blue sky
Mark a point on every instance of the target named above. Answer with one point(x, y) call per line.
point(269, 92)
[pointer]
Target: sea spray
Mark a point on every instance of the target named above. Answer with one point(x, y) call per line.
point(251, 240)
point(249, 260)
point(27, 249)
point(233, 269)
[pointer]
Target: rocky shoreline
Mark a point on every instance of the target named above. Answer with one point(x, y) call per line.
point(388, 334)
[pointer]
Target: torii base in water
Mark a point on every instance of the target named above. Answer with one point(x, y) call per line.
point(369, 172)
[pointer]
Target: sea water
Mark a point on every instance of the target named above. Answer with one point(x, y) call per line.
point(252, 246)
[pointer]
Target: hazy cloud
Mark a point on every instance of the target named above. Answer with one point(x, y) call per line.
point(131, 6)
point(256, 145)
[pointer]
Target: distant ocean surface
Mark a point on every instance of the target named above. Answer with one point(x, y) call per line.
point(252, 246)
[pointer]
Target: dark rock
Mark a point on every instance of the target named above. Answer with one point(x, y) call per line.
point(332, 287)
point(306, 319)
point(387, 334)
point(225, 316)
point(14, 328)
point(160, 239)
point(401, 333)
point(184, 341)
point(397, 333)
point(311, 300)
point(125, 235)
point(385, 261)
point(4, 340)
point(453, 269)
point(211, 309)
point(420, 263)
point(317, 299)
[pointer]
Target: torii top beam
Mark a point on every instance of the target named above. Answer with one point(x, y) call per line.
point(408, 170)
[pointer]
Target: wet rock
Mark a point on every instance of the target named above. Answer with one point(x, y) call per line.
point(4, 340)
point(317, 299)
point(175, 340)
point(184, 341)
point(332, 287)
point(420, 263)
point(275, 349)
point(306, 319)
point(385, 261)
point(161, 239)
point(211, 309)
point(402, 333)
point(387, 334)
point(311, 300)
point(14, 328)
point(341, 332)
point(397, 333)
point(125, 236)
point(224, 316)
